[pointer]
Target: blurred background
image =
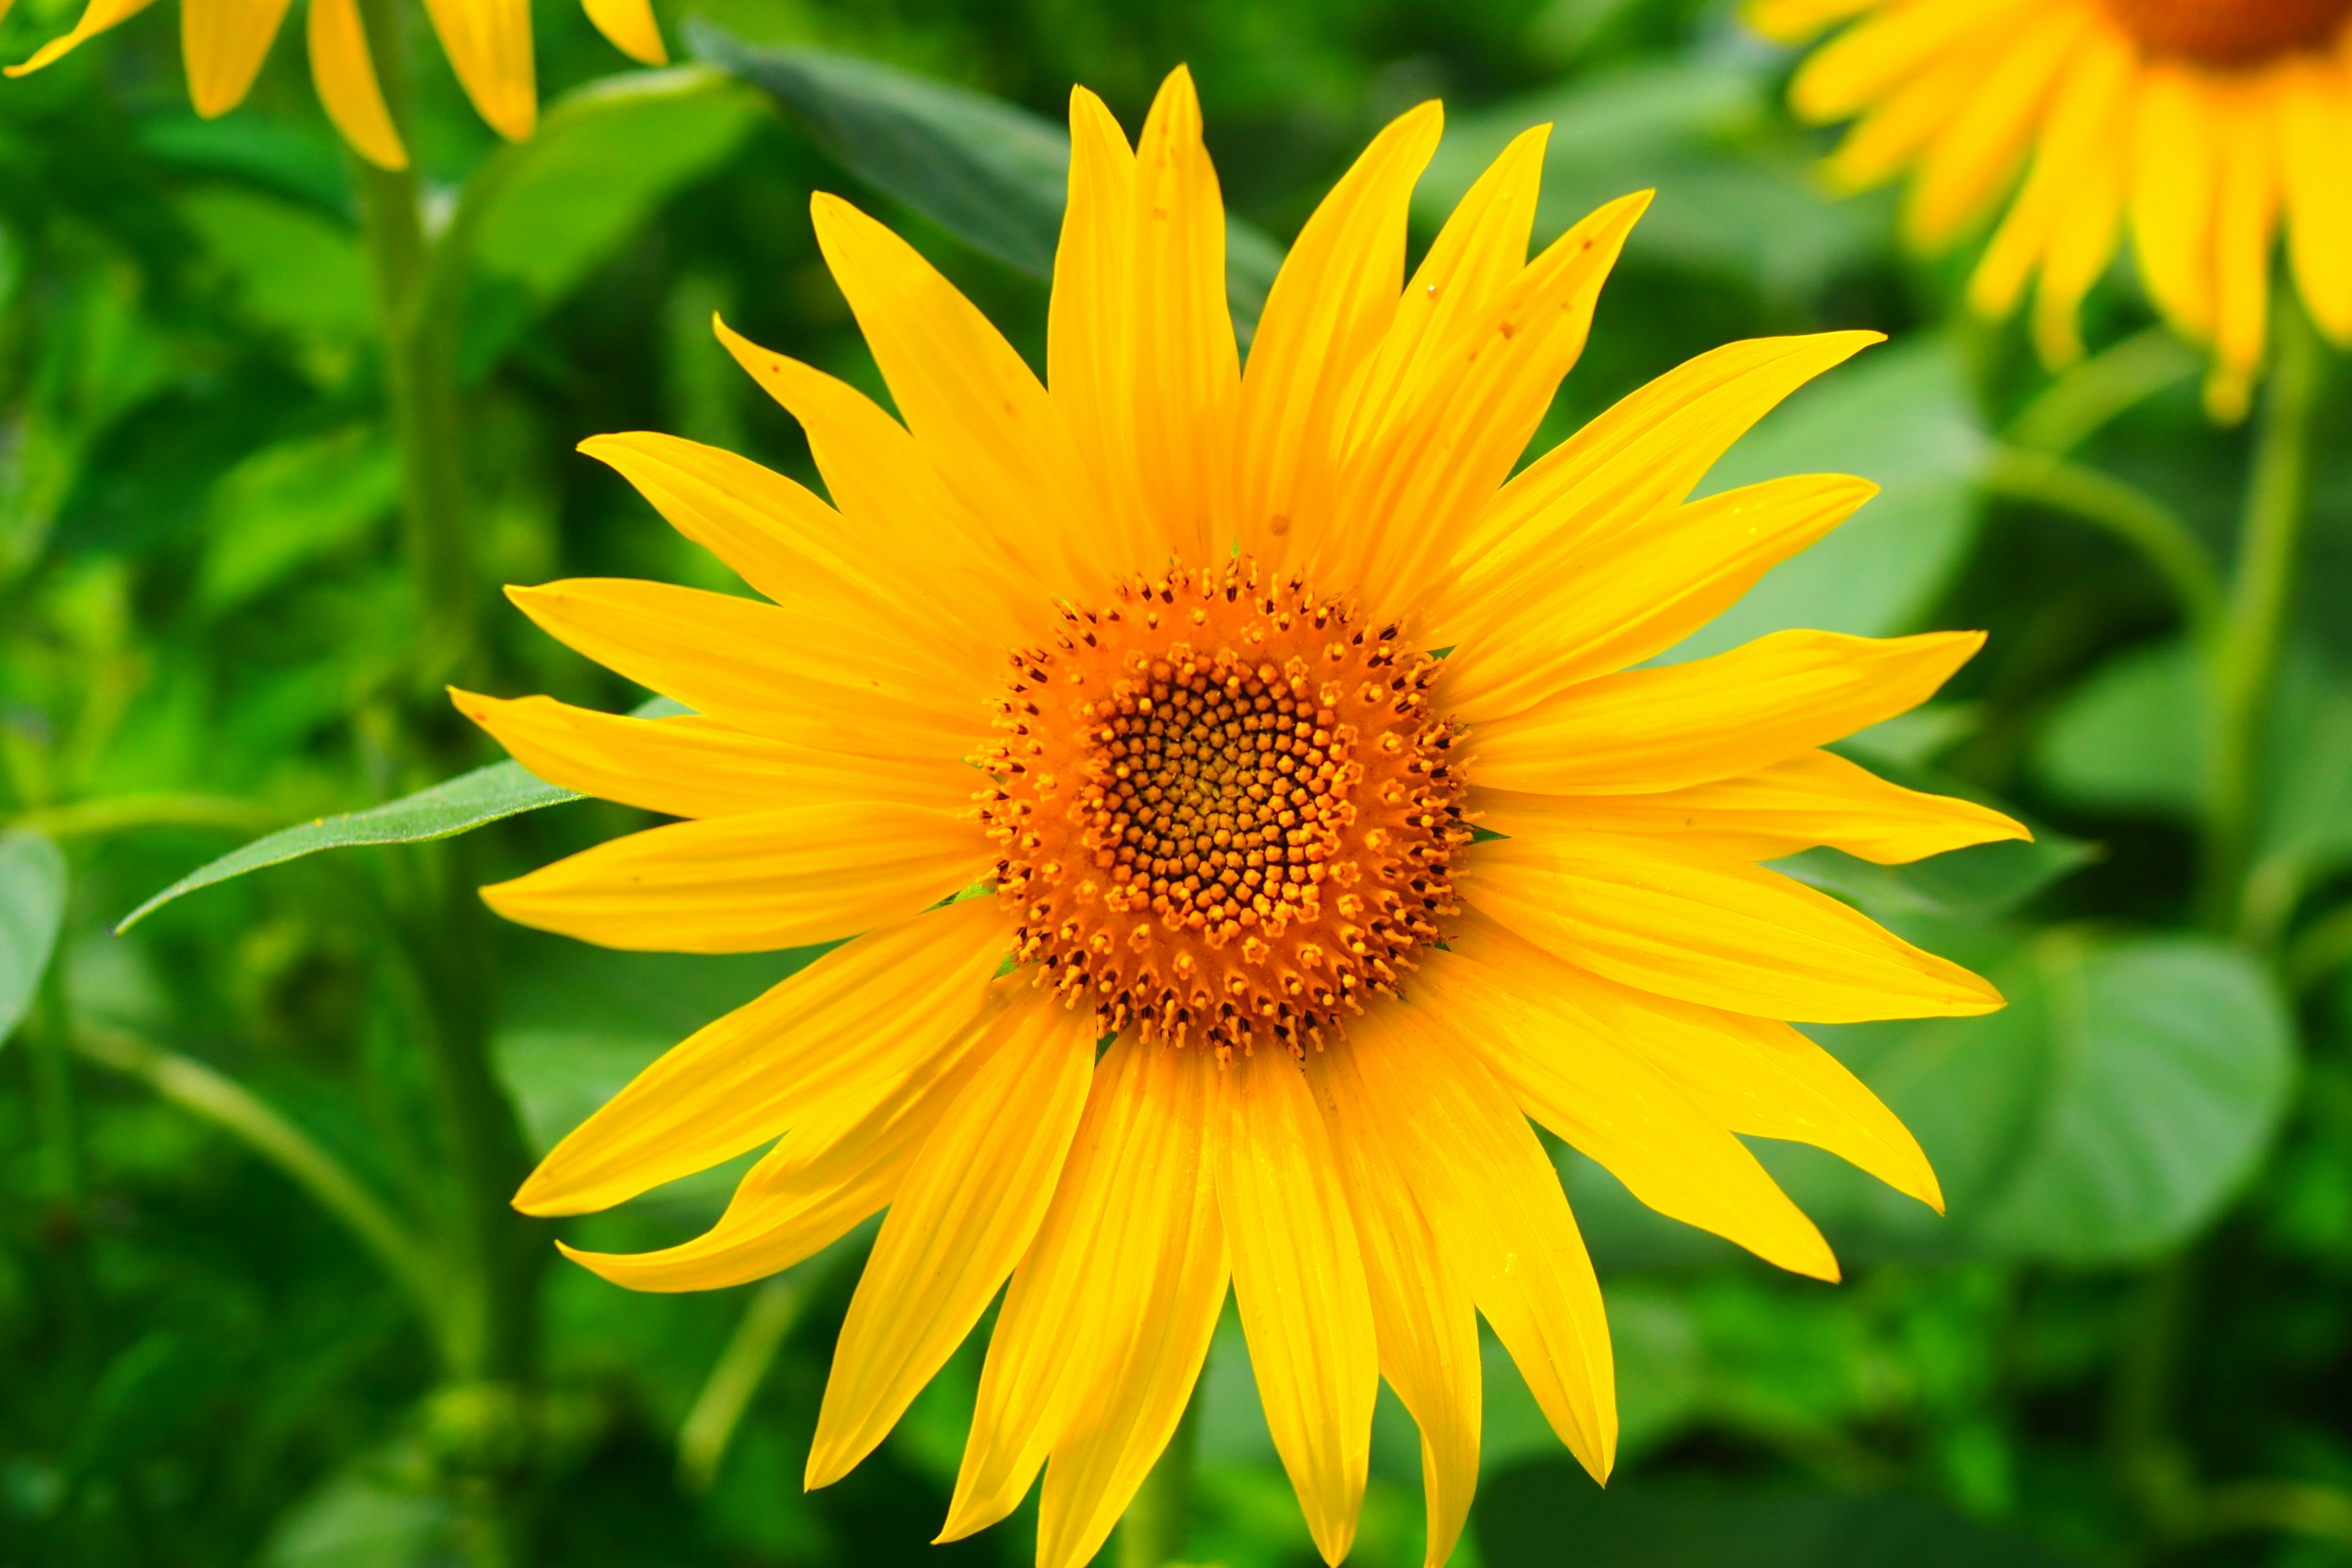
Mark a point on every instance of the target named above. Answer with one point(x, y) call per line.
point(2130, 1341)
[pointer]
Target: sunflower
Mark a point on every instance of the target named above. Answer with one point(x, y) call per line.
point(2202, 126)
point(224, 43)
point(1241, 804)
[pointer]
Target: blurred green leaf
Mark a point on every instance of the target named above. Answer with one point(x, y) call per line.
point(1981, 880)
point(286, 505)
point(32, 908)
point(293, 159)
point(1900, 415)
point(455, 805)
point(1549, 1513)
point(2131, 737)
point(364, 1519)
point(150, 474)
point(294, 270)
point(990, 172)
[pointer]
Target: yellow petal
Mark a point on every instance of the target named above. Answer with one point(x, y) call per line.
point(886, 486)
point(2316, 128)
point(1975, 156)
point(1794, 21)
point(1758, 1077)
point(992, 434)
point(344, 74)
point(223, 43)
point(960, 1219)
point(1133, 1214)
point(2245, 221)
point(1641, 590)
point(868, 1013)
point(96, 18)
point(1872, 58)
point(755, 883)
point(2174, 191)
point(488, 45)
point(1329, 304)
point(1409, 495)
point(1735, 937)
point(1813, 797)
point(1091, 329)
point(849, 685)
point(1889, 138)
point(1668, 727)
point(1161, 1332)
point(1606, 1101)
point(1186, 370)
point(1300, 1283)
point(630, 27)
point(845, 1160)
point(1423, 1322)
point(692, 766)
point(792, 547)
point(1640, 458)
point(2087, 121)
point(2082, 239)
point(1494, 1205)
point(1479, 253)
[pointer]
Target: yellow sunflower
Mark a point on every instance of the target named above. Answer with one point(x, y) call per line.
point(1233, 991)
point(223, 42)
point(2204, 126)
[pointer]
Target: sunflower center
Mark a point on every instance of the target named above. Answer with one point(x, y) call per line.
point(1225, 808)
point(2229, 32)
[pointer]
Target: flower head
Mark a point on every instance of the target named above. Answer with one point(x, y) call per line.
point(224, 43)
point(2203, 128)
point(1320, 826)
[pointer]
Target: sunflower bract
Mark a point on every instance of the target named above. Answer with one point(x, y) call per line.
point(1146, 652)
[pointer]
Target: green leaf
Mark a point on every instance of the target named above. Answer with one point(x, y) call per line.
point(292, 267)
point(32, 908)
point(2131, 737)
point(1899, 416)
point(1546, 1515)
point(990, 172)
point(369, 1516)
point(286, 505)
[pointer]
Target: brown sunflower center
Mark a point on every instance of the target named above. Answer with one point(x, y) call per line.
point(1225, 807)
point(2230, 33)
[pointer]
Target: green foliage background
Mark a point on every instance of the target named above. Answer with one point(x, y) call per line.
point(2131, 1338)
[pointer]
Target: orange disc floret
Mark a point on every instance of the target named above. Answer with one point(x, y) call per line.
point(1225, 809)
point(2226, 32)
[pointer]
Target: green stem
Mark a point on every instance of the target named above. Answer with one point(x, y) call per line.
point(2079, 404)
point(742, 1367)
point(2168, 543)
point(2244, 653)
point(133, 811)
point(1152, 1532)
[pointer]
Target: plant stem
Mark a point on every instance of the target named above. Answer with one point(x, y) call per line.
point(2245, 653)
point(1152, 1532)
point(742, 1367)
point(2128, 512)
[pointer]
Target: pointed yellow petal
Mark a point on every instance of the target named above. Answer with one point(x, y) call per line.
point(96, 18)
point(223, 43)
point(1889, 138)
point(488, 45)
point(630, 27)
point(344, 74)
point(961, 1218)
point(1609, 1103)
point(1125, 1227)
point(1642, 590)
point(1328, 306)
point(1874, 57)
point(1494, 1205)
point(1159, 1333)
point(866, 1013)
point(2315, 131)
point(2085, 123)
point(2175, 188)
point(848, 1157)
point(886, 486)
point(1186, 370)
point(1423, 1322)
point(1411, 495)
point(2245, 222)
point(1979, 152)
point(1300, 1283)
point(1640, 458)
point(846, 686)
point(1811, 799)
point(2083, 241)
point(1091, 329)
point(755, 883)
point(692, 766)
point(1735, 937)
point(1672, 726)
point(992, 434)
point(1758, 1077)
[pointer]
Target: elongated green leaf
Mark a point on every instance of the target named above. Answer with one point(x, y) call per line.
point(990, 172)
point(32, 908)
point(447, 809)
